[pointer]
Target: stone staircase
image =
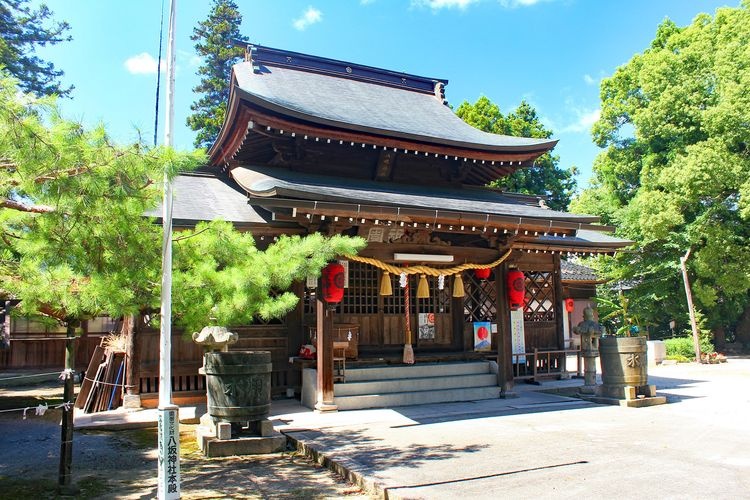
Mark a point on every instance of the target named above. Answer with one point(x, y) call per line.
point(403, 385)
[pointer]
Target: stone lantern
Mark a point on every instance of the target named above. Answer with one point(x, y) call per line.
point(590, 331)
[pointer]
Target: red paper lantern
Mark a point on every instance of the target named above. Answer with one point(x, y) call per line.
point(482, 273)
point(569, 305)
point(332, 283)
point(516, 289)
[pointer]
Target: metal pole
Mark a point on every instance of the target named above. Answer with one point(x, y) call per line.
point(691, 309)
point(168, 485)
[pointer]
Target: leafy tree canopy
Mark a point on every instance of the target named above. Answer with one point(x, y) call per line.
point(675, 170)
point(214, 38)
point(222, 278)
point(74, 241)
point(22, 31)
point(544, 177)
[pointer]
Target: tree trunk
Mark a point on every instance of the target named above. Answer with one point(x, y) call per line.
point(131, 325)
point(743, 328)
point(719, 338)
point(66, 436)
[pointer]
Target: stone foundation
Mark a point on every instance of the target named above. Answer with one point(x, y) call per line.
point(217, 439)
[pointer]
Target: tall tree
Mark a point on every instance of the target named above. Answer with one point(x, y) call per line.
point(675, 172)
point(22, 31)
point(544, 177)
point(215, 39)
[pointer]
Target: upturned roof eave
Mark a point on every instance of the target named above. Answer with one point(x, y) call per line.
point(539, 147)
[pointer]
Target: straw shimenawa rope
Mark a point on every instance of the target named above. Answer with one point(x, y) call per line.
point(425, 269)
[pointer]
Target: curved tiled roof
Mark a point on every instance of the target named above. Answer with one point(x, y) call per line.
point(361, 98)
point(270, 182)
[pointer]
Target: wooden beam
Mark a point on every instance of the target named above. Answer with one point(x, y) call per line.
point(324, 346)
point(559, 304)
point(504, 341)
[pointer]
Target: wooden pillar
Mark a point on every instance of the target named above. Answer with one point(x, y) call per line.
point(559, 303)
point(559, 315)
point(504, 341)
point(325, 357)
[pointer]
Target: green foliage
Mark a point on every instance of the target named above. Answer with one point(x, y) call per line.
point(674, 174)
point(545, 177)
point(73, 239)
point(680, 346)
point(22, 31)
point(220, 276)
point(214, 38)
point(615, 315)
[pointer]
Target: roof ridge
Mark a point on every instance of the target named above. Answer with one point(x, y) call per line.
point(260, 56)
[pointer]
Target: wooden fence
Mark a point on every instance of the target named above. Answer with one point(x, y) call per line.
point(541, 364)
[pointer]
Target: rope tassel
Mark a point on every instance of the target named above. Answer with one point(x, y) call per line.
point(458, 286)
point(423, 290)
point(385, 284)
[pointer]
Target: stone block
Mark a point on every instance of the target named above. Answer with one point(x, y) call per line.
point(131, 401)
point(630, 392)
point(245, 446)
point(265, 428)
point(224, 431)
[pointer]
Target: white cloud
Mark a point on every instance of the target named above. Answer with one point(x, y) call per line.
point(584, 122)
point(142, 64)
point(309, 17)
point(366, 2)
point(443, 4)
point(589, 79)
point(512, 4)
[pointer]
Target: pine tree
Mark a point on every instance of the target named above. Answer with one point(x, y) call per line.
point(22, 31)
point(215, 37)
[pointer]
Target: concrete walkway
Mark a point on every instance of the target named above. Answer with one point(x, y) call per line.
point(544, 445)
point(537, 445)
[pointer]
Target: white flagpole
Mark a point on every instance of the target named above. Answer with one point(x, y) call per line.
point(169, 422)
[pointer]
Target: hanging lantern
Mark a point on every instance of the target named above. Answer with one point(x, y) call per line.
point(385, 284)
point(458, 286)
point(423, 290)
point(332, 283)
point(482, 273)
point(569, 305)
point(516, 289)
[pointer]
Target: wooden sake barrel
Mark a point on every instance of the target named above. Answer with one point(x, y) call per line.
point(624, 360)
point(238, 385)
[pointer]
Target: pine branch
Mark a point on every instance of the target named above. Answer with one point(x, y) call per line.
point(36, 209)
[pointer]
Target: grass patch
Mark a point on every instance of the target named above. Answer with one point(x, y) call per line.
point(146, 439)
point(24, 488)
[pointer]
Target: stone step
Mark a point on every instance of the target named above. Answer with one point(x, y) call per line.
point(415, 398)
point(416, 371)
point(349, 388)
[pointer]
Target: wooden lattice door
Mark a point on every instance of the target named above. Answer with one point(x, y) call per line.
point(539, 313)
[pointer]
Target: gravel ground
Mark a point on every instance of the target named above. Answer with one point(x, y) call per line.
point(122, 464)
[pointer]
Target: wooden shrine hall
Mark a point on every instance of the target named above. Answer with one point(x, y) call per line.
point(311, 144)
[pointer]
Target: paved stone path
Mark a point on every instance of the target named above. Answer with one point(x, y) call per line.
point(547, 446)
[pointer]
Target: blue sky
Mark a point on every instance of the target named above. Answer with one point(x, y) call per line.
point(553, 53)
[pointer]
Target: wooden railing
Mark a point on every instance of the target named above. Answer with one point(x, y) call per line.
point(539, 364)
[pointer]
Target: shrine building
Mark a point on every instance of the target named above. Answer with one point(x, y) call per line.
point(311, 144)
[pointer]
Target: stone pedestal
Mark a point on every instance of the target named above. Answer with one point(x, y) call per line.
point(215, 439)
point(625, 374)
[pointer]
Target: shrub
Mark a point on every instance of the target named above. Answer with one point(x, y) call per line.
point(680, 358)
point(680, 346)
